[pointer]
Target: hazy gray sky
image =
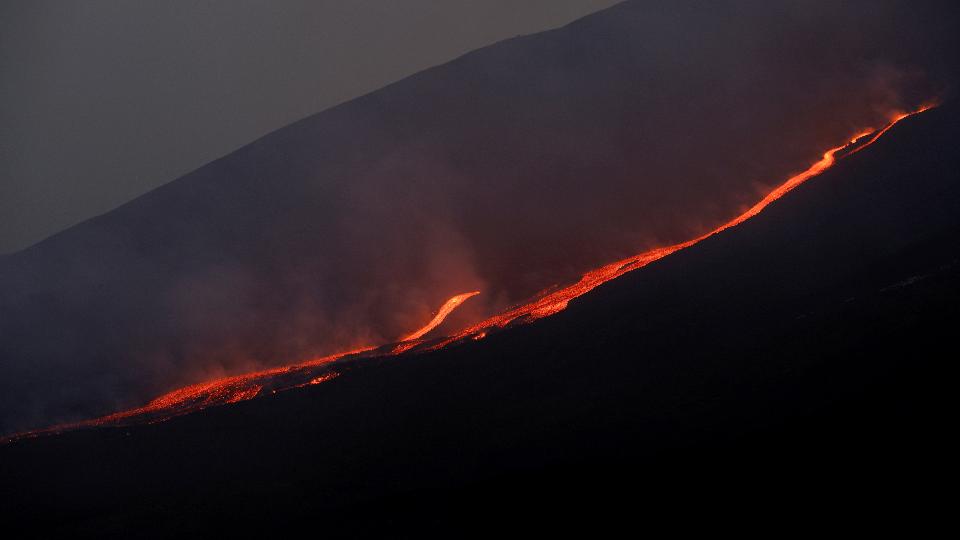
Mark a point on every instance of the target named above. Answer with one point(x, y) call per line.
point(102, 100)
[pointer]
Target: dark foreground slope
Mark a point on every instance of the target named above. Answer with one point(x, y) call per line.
point(796, 364)
point(506, 171)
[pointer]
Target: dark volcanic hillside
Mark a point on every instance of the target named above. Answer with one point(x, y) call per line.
point(792, 362)
point(509, 170)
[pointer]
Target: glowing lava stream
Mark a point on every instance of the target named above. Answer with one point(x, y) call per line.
point(413, 340)
point(549, 303)
point(247, 386)
point(445, 310)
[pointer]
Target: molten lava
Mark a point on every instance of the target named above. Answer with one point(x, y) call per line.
point(547, 304)
point(445, 310)
point(413, 340)
point(250, 385)
point(247, 386)
point(221, 391)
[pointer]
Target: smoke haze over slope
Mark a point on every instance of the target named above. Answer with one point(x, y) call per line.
point(508, 170)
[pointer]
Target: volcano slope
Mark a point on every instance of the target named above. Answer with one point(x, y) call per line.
point(792, 364)
point(509, 170)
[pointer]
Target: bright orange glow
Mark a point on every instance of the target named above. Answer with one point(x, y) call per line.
point(243, 387)
point(413, 340)
point(217, 392)
point(324, 378)
point(552, 302)
point(445, 310)
point(248, 386)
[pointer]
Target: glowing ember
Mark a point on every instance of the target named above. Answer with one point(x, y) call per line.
point(243, 387)
point(324, 378)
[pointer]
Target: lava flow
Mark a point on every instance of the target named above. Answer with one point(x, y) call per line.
point(445, 310)
point(250, 385)
point(548, 303)
point(247, 386)
point(414, 340)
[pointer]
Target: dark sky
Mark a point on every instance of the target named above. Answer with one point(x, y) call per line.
point(103, 100)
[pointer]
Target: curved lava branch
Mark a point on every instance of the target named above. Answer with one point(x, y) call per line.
point(446, 309)
point(247, 386)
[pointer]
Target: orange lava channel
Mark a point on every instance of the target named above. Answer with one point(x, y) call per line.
point(445, 310)
point(247, 386)
point(556, 301)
